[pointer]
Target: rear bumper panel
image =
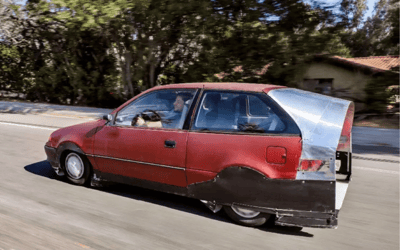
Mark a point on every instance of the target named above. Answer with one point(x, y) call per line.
point(304, 220)
point(245, 186)
point(304, 203)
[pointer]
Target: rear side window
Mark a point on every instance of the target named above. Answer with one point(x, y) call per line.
point(257, 107)
point(242, 112)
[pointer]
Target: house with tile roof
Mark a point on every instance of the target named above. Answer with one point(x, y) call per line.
point(338, 76)
point(345, 77)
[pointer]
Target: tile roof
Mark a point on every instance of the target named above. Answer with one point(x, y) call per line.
point(240, 69)
point(375, 63)
point(257, 87)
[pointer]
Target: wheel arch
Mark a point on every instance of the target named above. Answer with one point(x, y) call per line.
point(249, 163)
point(66, 147)
point(231, 185)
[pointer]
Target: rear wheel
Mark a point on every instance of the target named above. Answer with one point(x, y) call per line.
point(246, 217)
point(77, 168)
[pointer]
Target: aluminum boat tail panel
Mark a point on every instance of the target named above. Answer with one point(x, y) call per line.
point(320, 119)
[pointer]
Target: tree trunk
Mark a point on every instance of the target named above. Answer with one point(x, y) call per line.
point(128, 76)
point(151, 75)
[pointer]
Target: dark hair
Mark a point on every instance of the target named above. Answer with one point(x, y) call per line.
point(185, 95)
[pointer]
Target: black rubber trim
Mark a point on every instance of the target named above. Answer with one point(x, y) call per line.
point(249, 187)
point(345, 163)
point(190, 114)
point(68, 146)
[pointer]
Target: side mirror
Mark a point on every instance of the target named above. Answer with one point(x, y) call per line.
point(107, 117)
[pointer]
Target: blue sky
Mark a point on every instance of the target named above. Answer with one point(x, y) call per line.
point(370, 4)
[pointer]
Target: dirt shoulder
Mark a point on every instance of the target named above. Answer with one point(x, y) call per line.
point(389, 121)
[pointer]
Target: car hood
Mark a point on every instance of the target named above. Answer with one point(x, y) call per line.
point(75, 132)
point(319, 117)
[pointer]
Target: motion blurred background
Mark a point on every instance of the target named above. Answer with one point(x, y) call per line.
point(92, 55)
point(96, 53)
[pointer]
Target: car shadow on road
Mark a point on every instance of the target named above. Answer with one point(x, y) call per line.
point(42, 168)
point(177, 202)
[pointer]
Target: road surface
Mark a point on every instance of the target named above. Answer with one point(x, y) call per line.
point(40, 211)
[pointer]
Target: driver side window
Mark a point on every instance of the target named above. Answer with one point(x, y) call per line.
point(159, 109)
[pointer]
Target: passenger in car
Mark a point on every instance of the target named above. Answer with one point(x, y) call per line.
point(210, 105)
point(208, 112)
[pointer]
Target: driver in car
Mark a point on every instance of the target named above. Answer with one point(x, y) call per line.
point(175, 117)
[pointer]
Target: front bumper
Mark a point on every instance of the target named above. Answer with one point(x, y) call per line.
point(52, 158)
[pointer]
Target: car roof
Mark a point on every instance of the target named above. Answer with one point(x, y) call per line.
point(254, 87)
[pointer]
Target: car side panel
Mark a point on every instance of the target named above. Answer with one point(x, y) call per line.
point(213, 152)
point(141, 153)
point(197, 176)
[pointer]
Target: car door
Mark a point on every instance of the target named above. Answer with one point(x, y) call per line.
point(153, 149)
point(225, 134)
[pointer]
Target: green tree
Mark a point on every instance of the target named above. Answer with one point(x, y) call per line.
point(14, 75)
point(378, 95)
point(378, 35)
point(393, 17)
point(352, 13)
point(281, 34)
point(77, 51)
point(61, 61)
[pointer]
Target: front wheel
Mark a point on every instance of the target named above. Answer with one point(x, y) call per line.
point(77, 168)
point(246, 217)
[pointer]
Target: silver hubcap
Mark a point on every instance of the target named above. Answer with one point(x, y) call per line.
point(74, 166)
point(246, 213)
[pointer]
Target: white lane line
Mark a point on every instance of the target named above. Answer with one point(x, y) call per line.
point(378, 170)
point(28, 126)
point(70, 116)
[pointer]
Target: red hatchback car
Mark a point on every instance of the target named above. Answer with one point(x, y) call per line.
point(257, 151)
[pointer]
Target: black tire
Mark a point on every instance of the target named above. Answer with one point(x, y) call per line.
point(82, 174)
point(249, 221)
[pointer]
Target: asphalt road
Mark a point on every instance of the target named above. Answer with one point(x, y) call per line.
point(40, 211)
